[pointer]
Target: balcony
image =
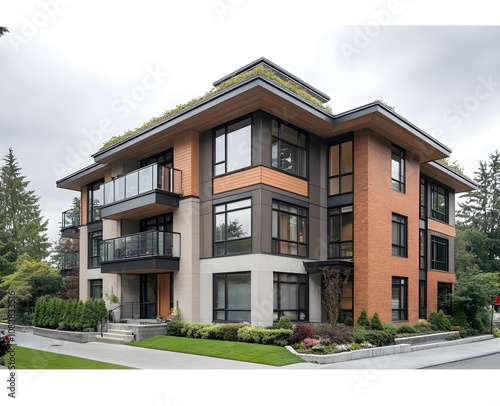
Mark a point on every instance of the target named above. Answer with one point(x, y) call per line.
point(146, 252)
point(70, 223)
point(146, 192)
point(69, 262)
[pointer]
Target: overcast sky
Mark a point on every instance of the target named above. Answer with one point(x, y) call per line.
point(74, 73)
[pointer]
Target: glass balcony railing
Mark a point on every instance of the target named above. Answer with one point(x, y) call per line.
point(149, 178)
point(70, 218)
point(70, 260)
point(145, 244)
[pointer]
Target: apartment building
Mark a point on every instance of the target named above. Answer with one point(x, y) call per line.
point(231, 208)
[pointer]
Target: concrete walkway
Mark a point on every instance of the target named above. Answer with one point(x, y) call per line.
point(143, 358)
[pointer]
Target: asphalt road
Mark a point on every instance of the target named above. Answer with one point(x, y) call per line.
point(484, 362)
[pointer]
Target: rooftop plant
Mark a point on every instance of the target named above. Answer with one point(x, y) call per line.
point(258, 70)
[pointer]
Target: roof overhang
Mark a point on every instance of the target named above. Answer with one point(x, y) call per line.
point(316, 267)
point(448, 177)
point(392, 126)
point(83, 177)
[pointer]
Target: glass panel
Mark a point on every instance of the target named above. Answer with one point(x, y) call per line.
point(334, 186)
point(119, 188)
point(220, 315)
point(289, 296)
point(289, 134)
point(109, 195)
point(334, 160)
point(238, 288)
point(274, 128)
point(346, 249)
point(237, 246)
point(220, 249)
point(274, 154)
point(288, 230)
point(239, 148)
point(288, 158)
point(346, 163)
point(220, 295)
point(145, 179)
point(131, 244)
point(131, 184)
point(395, 169)
point(220, 148)
point(275, 224)
point(346, 183)
point(220, 227)
point(347, 226)
point(238, 315)
point(239, 204)
point(302, 250)
point(238, 224)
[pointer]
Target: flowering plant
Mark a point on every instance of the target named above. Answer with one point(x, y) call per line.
point(309, 342)
point(175, 312)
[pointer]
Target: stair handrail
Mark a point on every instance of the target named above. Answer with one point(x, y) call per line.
point(108, 316)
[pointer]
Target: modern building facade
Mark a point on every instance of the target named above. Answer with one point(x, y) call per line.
point(231, 208)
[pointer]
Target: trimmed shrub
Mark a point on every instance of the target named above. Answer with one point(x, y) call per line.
point(477, 324)
point(459, 319)
point(301, 331)
point(175, 327)
point(285, 323)
point(376, 324)
point(340, 334)
point(440, 320)
point(40, 309)
point(423, 327)
point(348, 321)
point(227, 332)
point(390, 327)
point(358, 334)
point(379, 338)
point(249, 334)
point(259, 335)
point(406, 329)
point(363, 320)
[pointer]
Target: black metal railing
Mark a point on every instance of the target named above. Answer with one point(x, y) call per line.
point(109, 317)
point(70, 260)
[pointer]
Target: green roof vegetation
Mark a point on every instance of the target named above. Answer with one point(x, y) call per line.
point(258, 70)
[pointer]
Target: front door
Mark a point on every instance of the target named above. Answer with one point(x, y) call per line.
point(148, 296)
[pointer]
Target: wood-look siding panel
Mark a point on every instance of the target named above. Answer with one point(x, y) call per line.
point(441, 227)
point(186, 159)
point(258, 175)
point(83, 206)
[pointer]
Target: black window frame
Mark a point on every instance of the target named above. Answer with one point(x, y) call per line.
point(438, 263)
point(276, 242)
point(399, 285)
point(93, 209)
point(224, 209)
point(423, 199)
point(422, 299)
point(302, 150)
point(341, 212)
point(400, 239)
point(439, 192)
point(95, 241)
point(226, 308)
point(339, 173)
point(280, 279)
point(95, 285)
point(398, 156)
point(422, 249)
point(222, 131)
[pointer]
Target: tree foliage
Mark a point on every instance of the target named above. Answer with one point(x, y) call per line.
point(3, 30)
point(23, 228)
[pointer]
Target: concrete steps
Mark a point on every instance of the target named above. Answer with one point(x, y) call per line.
point(116, 335)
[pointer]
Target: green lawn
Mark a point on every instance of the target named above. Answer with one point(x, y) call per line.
point(257, 353)
point(27, 358)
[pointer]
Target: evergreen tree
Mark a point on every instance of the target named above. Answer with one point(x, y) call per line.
point(481, 211)
point(3, 30)
point(22, 223)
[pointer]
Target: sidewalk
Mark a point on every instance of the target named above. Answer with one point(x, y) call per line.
point(143, 358)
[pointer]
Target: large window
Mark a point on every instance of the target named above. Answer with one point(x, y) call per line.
point(340, 169)
point(439, 203)
point(422, 299)
point(444, 291)
point(290, 296)
point(232, 299)
point(422, 249)
point(289, 152)
point(233, 228)
point(233, 147)
point(95, 200)
point(423, 199)
point(289, 229)
point(95, 239)
point(398, 168)
point(340, 244)
point(399, 298)
point(439, 253)
point(95, 288)
point(399, 235)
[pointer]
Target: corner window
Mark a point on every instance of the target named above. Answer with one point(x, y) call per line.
point(399, 235)
point(95, 288)
point(288, 151)
point(233, 147)
point(95, 239)
point(289, 229)
point(232, 299)
point(340, 176)
point(340, 244)
point(95, 200)
point(439, 203)
point(399, 298)
point(233, 228)
point(444, 291)
point(290, 296)
point(398, 168)
point(439, 253)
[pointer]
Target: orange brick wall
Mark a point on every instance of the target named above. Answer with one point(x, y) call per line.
point(374, 203)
